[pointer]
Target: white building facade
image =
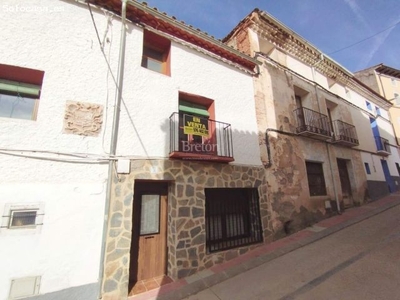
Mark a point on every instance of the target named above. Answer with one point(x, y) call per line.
point(187, 131)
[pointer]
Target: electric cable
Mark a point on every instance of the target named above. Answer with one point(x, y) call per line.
point(363, 40)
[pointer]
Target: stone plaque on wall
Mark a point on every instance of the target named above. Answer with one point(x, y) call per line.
point(83, 118)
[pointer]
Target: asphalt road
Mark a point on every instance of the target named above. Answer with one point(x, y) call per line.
point(360, 262)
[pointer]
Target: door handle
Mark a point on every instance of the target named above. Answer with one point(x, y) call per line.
point(149, 237)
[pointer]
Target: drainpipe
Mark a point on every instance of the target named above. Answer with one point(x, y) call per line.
point(333, 179)
point(114, 139)
point(327, 145)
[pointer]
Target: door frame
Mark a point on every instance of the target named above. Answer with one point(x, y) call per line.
point(143, 187)
point(388, 176)
point(350, 195)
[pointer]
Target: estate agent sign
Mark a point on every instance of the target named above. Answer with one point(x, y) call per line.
point(195, 126)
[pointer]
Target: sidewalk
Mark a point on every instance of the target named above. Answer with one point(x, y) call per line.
point(265, 253)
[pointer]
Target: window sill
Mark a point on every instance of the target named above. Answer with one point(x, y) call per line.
point(200, 157)
point(156, 72)
point(318, 198)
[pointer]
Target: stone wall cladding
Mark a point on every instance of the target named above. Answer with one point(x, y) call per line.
point(186, 216)
point(83, 118)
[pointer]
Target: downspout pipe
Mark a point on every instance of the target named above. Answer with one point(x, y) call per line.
point(327, 145)
point(113, 142)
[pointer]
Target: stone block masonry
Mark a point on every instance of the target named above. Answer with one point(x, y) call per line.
point(186, 231)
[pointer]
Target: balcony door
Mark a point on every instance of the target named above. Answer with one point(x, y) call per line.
point(300, 111)
point(196, 131)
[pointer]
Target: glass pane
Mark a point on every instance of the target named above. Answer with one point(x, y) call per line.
point(16, 107)
point(23, 218)
point(150, 214)
point(154, 54)
point(154, 65)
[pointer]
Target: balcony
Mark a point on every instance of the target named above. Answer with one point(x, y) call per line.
point(312, 123)
point(200, 139)
point(382, 146)
point(344, 134)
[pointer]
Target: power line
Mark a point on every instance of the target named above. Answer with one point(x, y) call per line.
point(367, 38)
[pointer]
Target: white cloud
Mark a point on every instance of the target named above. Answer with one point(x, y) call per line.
point(368, 52)
point(358, 12)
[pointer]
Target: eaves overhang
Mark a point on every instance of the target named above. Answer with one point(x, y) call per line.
point(140, 13)
point(288, 41)
point(386, 70)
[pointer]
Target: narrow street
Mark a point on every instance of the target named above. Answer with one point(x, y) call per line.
point(359, 262)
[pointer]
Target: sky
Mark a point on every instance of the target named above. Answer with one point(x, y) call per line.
point(330, 25)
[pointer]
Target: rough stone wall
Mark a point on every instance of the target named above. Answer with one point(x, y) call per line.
point(186, 216)
point(290, 204)
point(369, 78)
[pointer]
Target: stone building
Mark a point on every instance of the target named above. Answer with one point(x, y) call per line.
point(311, 116)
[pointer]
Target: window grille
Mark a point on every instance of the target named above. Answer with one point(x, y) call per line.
point(316, 180)
point(232, 218)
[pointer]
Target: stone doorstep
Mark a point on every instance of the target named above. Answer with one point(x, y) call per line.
point(289, 243)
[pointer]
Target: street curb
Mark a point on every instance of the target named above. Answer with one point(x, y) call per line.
point(265, 253)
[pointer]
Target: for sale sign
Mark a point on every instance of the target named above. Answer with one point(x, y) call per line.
point(195, 126)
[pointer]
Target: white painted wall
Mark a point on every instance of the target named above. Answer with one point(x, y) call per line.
point(58, 38)
point(151, 98)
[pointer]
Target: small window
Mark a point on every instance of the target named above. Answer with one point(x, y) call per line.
point(150, 215)
point(316, 180)
point(27, 216)
point(367, 169)
point(156, 53)
point(19, 92)
point(23, 218)
point(378, 111)
point(232, 218)
point(369, 107)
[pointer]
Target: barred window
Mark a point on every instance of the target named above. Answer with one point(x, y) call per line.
point(316, 180)
point(232, 218)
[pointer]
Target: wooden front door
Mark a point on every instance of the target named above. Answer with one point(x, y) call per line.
point(345, 182)
point(153, 237)
point(149, 232)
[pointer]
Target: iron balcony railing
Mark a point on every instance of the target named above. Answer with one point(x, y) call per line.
point(382, 144)
point(312, 122)
point(200, 136)
point(344, 133)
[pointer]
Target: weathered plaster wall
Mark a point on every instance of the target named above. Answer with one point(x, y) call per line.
point(290, 203)
point(370, 78)
point(186, 216)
